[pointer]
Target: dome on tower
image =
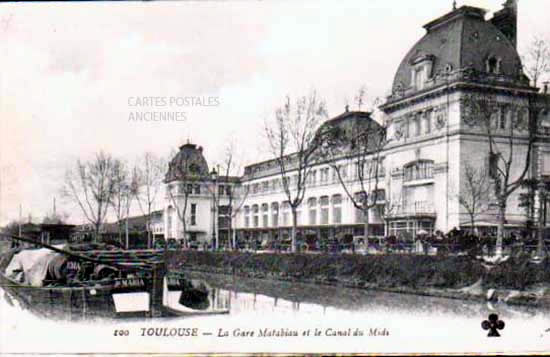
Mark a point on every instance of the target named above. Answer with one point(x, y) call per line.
point(463, 40)
point(188, 162)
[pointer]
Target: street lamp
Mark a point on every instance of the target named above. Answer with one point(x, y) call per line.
point(214, 177)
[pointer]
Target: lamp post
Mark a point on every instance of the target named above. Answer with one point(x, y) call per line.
point(214, 176)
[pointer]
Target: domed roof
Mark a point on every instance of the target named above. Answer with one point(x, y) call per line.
point(349, 125)
point(461, 39)
point(189, 161)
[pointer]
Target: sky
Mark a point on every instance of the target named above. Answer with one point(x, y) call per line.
point(76, 77)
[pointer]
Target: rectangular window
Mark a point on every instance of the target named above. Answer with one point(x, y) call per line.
point(312, 204)
point(502, 118)
point(324, 175)
point(428, 122)
point(193, 214)
point(337, 208)
point(286, 213)
point(337, 214)
point(419, 77)
point(417, 126)
point(221, 190)
point(197, 189)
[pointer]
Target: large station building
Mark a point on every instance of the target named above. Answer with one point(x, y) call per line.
point(433, 136)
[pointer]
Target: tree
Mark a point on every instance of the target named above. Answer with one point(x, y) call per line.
point(475, 191)
point(358, 145)
point(235, 199)
point(504, 140)
point(294, 141)
point(124, 189)
point(146, 183)
point(91, 185)
point(537, 60)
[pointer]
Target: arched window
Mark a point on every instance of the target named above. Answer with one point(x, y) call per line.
point(265, 214)
point(324, 203)
point(255, 219)
point(247, 216)
point(275, 214)
point(312, 205)
point(418, 170)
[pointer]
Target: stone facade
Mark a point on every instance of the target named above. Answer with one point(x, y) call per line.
point(433, 134)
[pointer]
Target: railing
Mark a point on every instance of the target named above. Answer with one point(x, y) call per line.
point(414, 208)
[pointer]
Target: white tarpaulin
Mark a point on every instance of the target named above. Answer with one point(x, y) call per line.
point(31, 266)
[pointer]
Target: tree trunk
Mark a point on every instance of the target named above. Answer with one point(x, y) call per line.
point(184, 230)
point(96, 232)
point(500, 228)
point(472, 219)
point(294, 229)
point(119, 232)
point(366, 228)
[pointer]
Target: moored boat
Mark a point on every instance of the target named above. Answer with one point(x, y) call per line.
point(84, 282)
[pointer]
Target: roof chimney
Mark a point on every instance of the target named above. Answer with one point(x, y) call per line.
point(506, 20)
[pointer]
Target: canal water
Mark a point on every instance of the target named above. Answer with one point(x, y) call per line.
point(274, 316)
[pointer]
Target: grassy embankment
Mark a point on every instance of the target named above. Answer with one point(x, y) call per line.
point(515, 281)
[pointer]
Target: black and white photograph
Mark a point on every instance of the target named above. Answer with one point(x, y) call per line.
point(274, 177)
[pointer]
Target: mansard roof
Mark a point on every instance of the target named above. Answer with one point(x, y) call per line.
point(460, 40)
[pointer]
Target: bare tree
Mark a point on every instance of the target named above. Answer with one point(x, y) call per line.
point(147, 181)
point(475, 192)
point(358, 145)
point(294, 142)
point(236, 196)
point(90, 185)
point(124, 190)
point(504, 139)
point(537, 60)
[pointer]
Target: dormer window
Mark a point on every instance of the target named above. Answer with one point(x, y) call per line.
point(421, 70)
point(493, 65)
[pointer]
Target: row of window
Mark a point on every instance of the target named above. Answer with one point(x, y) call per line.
point(281, 214)
point(317, 211)
point(421, 123)
point(197, 189)
point(364, 170)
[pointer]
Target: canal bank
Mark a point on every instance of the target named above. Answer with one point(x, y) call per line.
point(516, 281)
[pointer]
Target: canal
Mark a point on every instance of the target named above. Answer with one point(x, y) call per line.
point(277, 316)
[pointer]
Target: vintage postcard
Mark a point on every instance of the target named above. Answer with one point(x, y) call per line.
point(263, 177)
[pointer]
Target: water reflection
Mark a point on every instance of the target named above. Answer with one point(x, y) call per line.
point(241, 295)
point(244, 296)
